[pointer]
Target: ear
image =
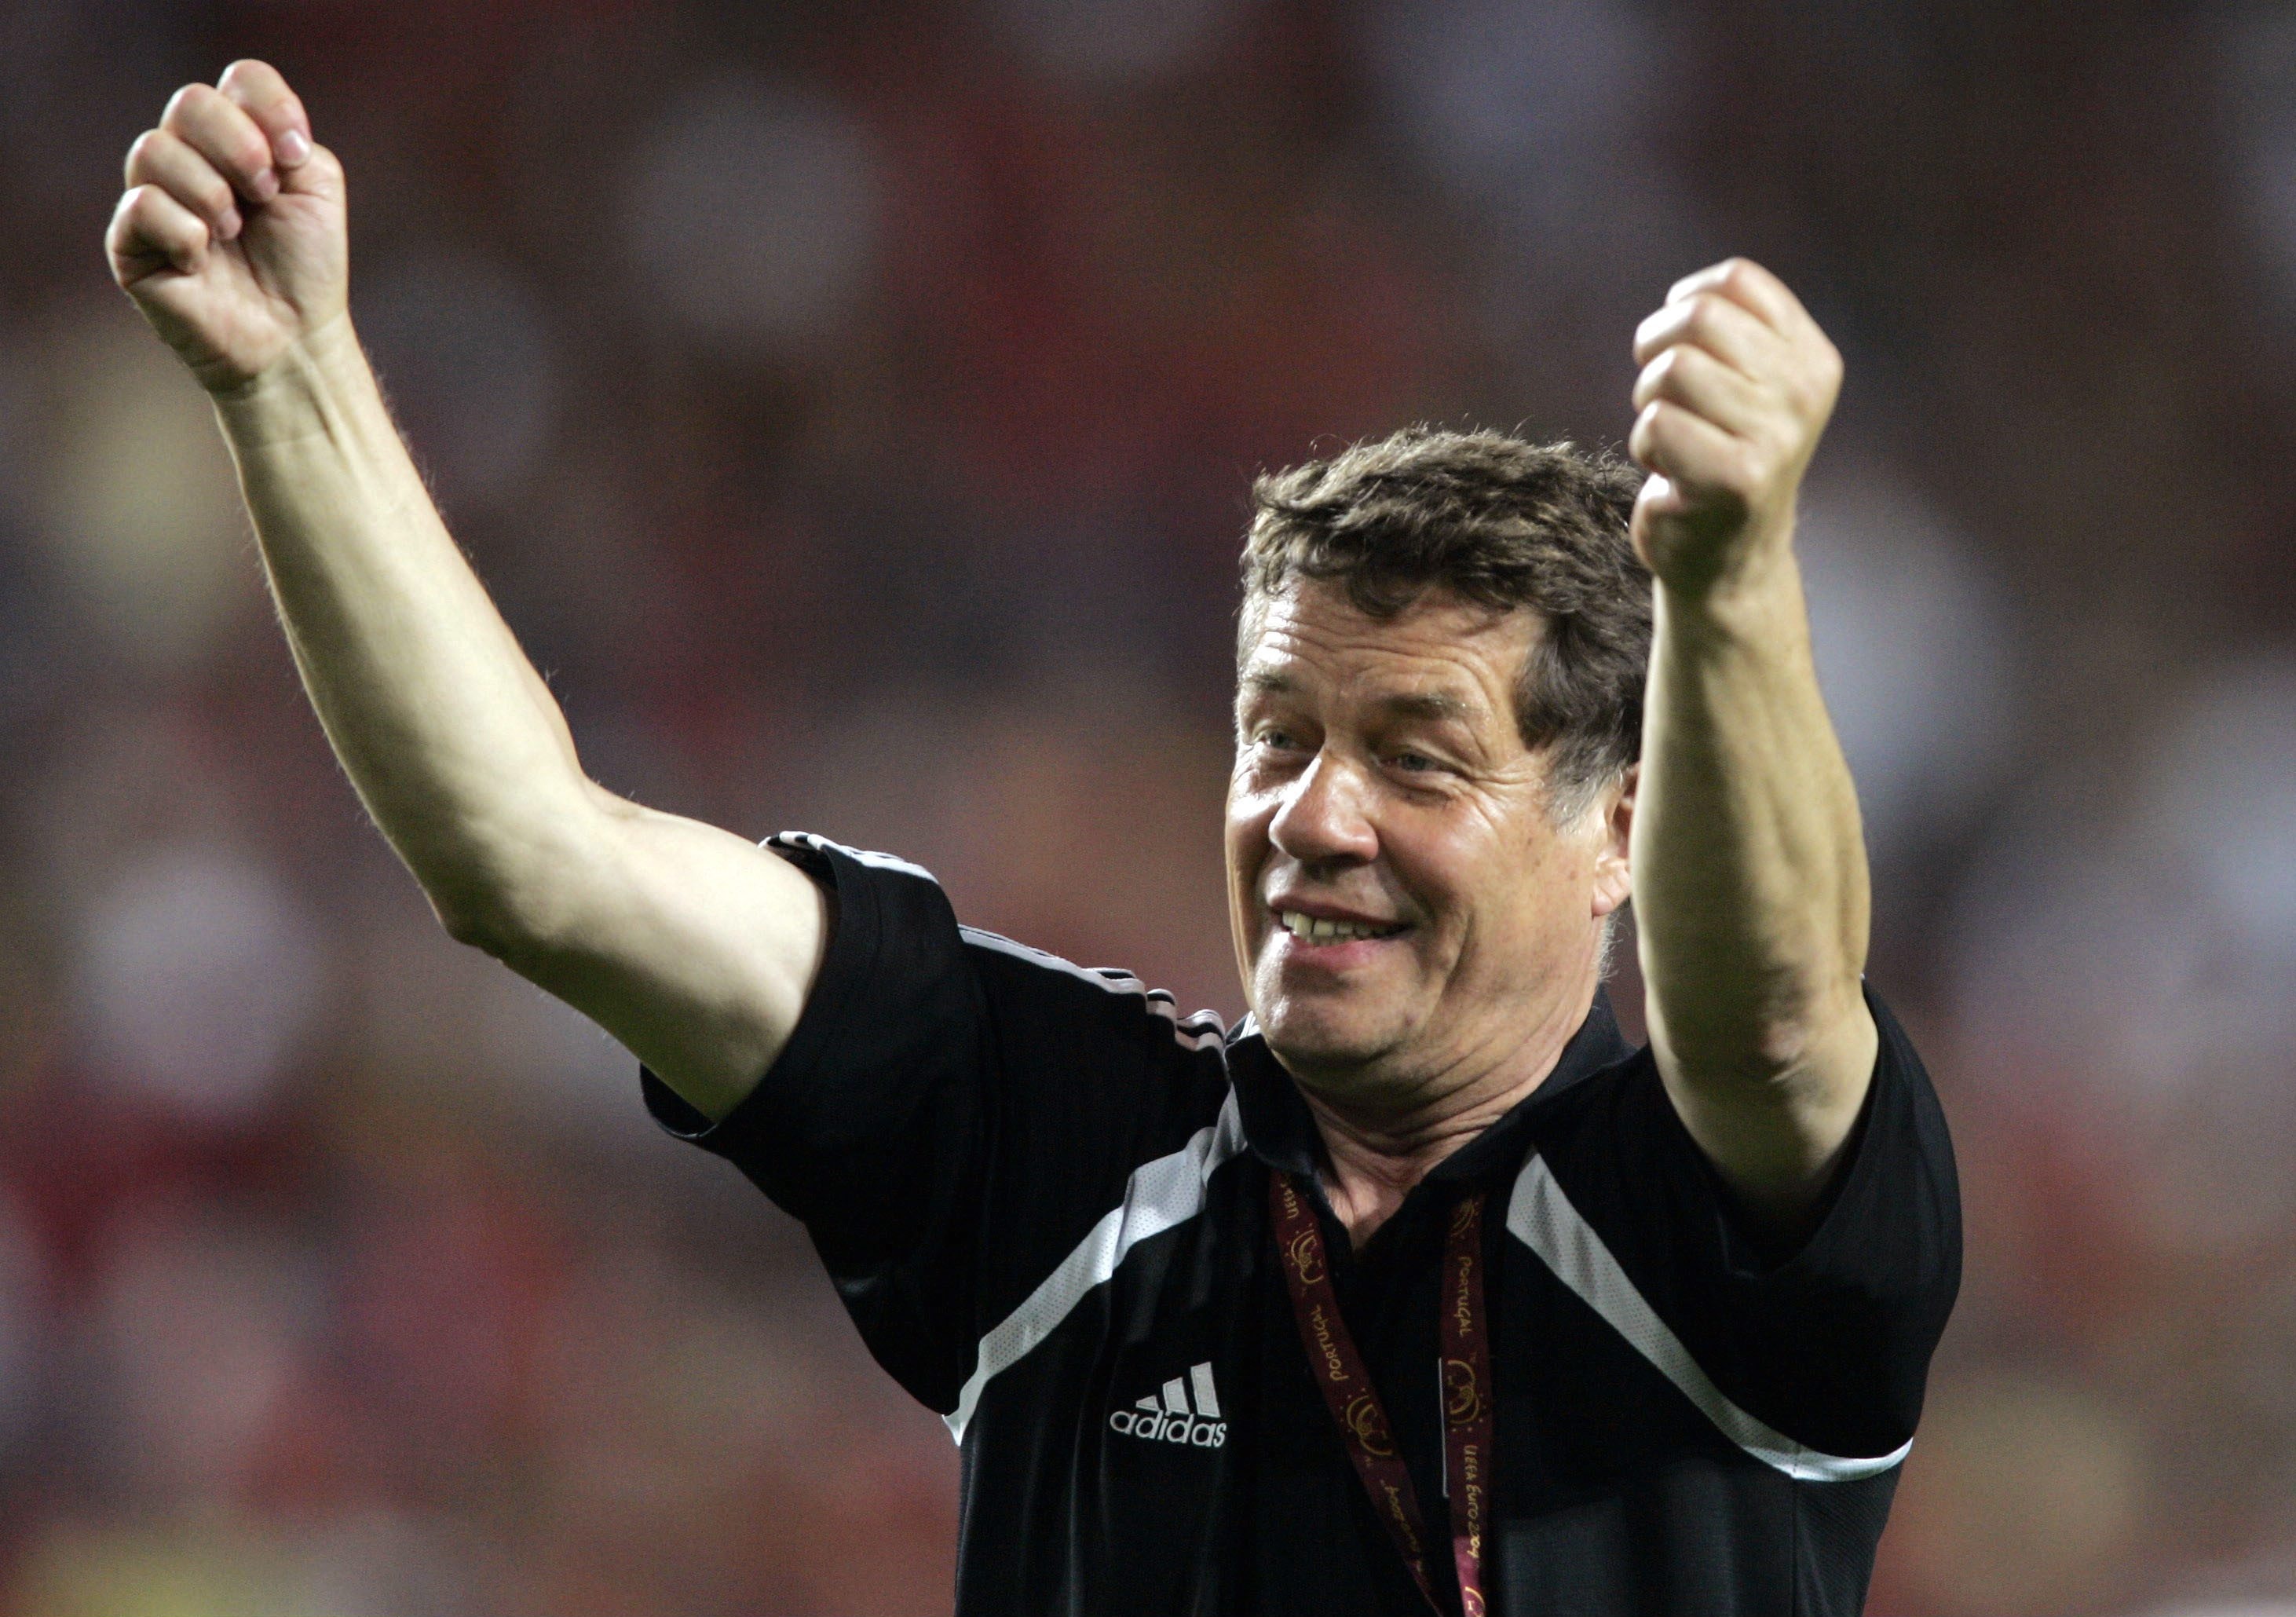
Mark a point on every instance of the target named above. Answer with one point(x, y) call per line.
point(1615, 826)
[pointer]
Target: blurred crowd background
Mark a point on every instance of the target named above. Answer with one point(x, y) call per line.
point(851, 405)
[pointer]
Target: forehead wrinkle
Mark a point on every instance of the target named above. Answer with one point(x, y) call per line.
point(1441, 703)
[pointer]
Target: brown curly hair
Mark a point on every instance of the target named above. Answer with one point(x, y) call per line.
point(1499, 521)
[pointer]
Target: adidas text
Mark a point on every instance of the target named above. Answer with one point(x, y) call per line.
point(1160, 1428)
point(1172, 1416)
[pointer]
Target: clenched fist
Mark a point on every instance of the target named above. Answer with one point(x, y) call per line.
point(1737, 383)
point(230, 237)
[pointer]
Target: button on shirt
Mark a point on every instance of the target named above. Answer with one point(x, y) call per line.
point(1042, 1193)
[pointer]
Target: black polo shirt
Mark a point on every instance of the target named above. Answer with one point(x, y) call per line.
point(1042, 1193)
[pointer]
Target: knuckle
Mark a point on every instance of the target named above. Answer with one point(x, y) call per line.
point(250, 72)
point(142, 153)
point(1816, 382)
point(183, 104)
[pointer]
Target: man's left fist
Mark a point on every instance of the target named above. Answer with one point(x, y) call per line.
point(1737, 383)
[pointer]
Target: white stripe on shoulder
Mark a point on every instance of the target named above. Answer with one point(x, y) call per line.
point(1200, 1030)
point(1541, 1217)
point(1161, 1195)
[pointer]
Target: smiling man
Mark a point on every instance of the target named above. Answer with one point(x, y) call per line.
point(1419, 1290)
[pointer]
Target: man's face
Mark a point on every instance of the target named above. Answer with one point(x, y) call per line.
point(1406, 912)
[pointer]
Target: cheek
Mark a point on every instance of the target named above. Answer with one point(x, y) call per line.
point(1250, 809)
point(1245, 843)
point(1551, 897)
point(1508, 891)
point(1445, 862)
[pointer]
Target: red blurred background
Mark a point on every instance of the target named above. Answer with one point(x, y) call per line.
point(851, 406)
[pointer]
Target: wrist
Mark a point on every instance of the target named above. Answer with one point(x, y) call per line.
point(1748, 599)
point(299, 388)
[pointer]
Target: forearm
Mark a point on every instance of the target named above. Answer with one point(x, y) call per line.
point(450, 737)
point(1750, 886)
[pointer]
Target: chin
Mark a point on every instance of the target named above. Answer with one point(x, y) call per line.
point(1309, 1039)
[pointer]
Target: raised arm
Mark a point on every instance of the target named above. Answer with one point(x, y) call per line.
point(694, 947)
point(1750, 878)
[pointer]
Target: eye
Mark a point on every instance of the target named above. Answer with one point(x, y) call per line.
point(1415, 763)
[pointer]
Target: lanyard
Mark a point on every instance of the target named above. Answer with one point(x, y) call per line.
point(1354, 1402)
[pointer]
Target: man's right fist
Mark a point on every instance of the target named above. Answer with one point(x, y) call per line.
point(230, 237)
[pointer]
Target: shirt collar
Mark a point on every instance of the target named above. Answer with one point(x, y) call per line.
point(1281, 1130)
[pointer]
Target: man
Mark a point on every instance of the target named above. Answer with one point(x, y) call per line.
point(1420, 1290)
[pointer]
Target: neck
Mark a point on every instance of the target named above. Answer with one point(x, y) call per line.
point(1377, 1151)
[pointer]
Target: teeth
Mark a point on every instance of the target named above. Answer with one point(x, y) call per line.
point(1319, 929)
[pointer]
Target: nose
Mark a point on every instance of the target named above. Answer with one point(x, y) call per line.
point(1323, 818)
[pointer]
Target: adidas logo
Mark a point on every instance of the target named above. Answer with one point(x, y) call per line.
point(1169, 1417)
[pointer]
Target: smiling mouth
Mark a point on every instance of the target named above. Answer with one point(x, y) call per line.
point(1318, 929)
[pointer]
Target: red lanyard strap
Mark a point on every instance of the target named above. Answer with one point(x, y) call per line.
point(1468, 1404)
point(1354, 1402)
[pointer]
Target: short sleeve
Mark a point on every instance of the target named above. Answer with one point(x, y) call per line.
point(953, 1112)
point(1830, 1344)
